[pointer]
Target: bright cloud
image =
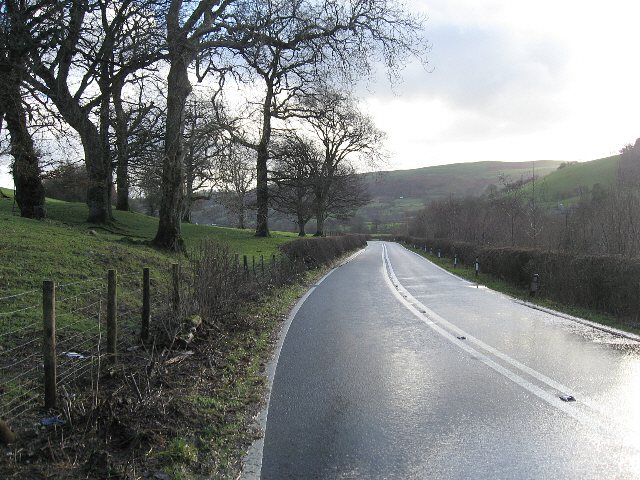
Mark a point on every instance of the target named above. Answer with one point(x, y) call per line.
point(515, 80)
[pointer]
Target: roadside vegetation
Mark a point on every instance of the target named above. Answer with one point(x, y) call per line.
point(178, 405)
point(596, 299)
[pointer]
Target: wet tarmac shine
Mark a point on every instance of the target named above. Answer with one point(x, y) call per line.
point(364, 388)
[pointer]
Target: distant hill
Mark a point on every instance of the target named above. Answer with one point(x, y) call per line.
point(396, 193)
point(456, 179)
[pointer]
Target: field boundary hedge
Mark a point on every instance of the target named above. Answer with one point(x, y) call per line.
point(605, 283)
point(317, 251)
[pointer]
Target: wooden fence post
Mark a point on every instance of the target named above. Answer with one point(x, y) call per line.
point(146, 304)
point(253, 264)
point(245, 262)
point(175, 297)
point(112, 318)
point(49, 342)
point(262, 264)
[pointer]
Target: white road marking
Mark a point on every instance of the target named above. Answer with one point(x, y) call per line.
point(252, 462)
point(437, 323)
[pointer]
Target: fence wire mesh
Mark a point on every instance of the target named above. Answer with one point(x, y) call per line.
point(20, 352)
point(81, 323)
point(80, 333)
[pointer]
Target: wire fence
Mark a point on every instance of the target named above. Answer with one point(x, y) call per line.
point(79, 347)
point(82, 318)
point(20, 353)
point(66, 349)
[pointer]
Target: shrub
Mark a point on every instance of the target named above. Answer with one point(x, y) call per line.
point(607, 283)
point(317, 251)
point(221, 283)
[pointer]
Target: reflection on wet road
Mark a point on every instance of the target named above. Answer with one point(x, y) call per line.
point(375, 380)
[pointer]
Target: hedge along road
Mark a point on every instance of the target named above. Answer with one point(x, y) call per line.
point(393, 368)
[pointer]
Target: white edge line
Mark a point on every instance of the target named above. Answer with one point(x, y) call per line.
point(514, 377)
point(550, 311)
point(252, 461)
point(588, 323)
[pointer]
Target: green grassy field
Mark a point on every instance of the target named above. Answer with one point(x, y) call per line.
point(66, 248)
point(565, 184)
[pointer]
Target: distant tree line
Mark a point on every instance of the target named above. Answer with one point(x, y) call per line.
point(600, 220)
point(272, 74)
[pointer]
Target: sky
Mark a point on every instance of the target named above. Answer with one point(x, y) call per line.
point(515, 80)
point(512, 80)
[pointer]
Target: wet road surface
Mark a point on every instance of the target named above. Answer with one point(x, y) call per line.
point(373, 381)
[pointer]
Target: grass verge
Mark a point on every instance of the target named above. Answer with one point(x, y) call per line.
point(468, 272)
point(164, 408)
point(230, 406)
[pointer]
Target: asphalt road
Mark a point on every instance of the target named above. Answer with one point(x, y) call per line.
point(373, 382)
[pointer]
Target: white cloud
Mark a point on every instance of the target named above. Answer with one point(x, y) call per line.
point(516, 80)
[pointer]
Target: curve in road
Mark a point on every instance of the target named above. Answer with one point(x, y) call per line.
point(374, 380)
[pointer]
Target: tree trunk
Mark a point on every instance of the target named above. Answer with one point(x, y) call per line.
point(320, 227)
point(241, 224)
point(178, 89)
point(122, 167)
point(188, 200)
point(26, 168)
point(106, 172)
point(98, 191)
point(301, 225)
point(320, 192)
point(320, 218)
point(262, 187)
point(99, 180)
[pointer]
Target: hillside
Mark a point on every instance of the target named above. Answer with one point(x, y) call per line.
point(66, 248)
point(456, 179)
point(566, 183)
point(396, 193)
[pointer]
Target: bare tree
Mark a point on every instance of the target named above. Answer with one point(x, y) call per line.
point(347, 137)
point(510, 201)
point(193, 31)
point(95, 47)
point(205, 148)
point(295, 160)
point(137, 124)
point(629, 165)
point(346, 192)
point(237, 175)
point(302, 43)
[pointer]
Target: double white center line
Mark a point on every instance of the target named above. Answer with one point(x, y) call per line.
point(546, 389)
